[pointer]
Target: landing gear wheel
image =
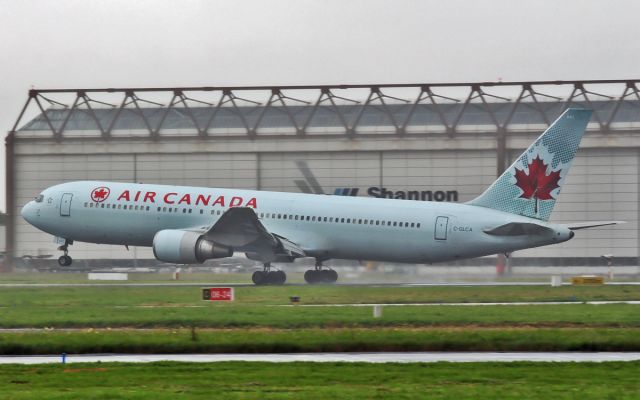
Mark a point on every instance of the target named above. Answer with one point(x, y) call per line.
point(319, 275)
point(268, 277)
point(259, 277)
point(276, 277)
point(330, 276)
point(310, 276)
point(65, 260)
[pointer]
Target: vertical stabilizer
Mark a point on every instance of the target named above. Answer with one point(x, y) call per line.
point(531, 185)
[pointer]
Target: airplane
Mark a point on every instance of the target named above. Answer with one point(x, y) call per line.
point(189, 225)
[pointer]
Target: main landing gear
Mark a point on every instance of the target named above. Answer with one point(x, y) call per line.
point(319, 275)
point(268, 277)
point(65, 260)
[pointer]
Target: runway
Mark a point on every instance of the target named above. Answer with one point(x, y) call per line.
point(331, 357)
point(514, 303)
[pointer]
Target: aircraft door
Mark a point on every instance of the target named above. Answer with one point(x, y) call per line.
point(65, 205)
point(441, 228)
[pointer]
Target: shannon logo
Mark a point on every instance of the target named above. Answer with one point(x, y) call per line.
point(100, 194)
point(311, 185)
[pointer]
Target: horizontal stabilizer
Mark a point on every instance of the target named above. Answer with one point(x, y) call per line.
point(574, 226)
point(517, 229)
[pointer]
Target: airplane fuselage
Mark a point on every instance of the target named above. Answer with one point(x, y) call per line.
point(323, 226)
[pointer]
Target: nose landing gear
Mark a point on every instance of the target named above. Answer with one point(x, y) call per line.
point(319, 275)
point(65, 260)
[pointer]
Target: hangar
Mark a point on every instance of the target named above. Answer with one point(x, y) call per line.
point(434, 142)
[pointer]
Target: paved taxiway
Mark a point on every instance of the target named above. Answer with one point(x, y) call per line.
point(332, 357)
point(514, 303)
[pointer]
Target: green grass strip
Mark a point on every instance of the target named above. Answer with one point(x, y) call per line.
point(319, 340)
point(239, 380)
point(242, 315)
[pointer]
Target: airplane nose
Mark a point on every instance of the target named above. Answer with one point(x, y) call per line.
point(28, 212)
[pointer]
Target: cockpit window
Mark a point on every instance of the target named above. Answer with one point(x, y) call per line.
point(39, 198)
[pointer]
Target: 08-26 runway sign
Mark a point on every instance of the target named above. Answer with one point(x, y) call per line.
point(218, 294)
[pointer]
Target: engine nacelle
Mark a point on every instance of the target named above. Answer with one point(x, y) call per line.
point(185, 247)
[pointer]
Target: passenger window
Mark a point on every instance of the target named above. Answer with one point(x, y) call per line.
point(377, 222)
point(325, 219)
point(418, 225)
point(190, 211)
point(348, 220)
point(412, 224)
point(342, 220)
point(102, 205)
point(395, 223)
point(201, 211)
point(91, 205)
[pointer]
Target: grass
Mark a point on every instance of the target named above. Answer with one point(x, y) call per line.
point(222, 316)
point(263, 306)
point(240, 380)
point(263, 320)
point(327, 294)
point(263, 340)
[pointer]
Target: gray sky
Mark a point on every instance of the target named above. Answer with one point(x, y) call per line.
point(81, 43)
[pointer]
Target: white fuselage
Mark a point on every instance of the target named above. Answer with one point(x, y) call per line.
point(323, 226)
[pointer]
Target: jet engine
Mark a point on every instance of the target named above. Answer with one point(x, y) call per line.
point(186, 247)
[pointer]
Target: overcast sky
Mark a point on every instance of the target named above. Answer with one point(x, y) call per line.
point(82, 43)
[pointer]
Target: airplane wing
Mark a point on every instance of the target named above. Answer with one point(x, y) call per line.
point(240, 229)
point(584, 225)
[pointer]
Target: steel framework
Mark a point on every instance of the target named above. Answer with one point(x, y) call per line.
point(399, 112)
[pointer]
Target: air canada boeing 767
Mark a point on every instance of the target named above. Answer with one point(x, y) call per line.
point(187, 225)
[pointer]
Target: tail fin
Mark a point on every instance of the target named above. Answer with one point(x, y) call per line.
point(531, 185)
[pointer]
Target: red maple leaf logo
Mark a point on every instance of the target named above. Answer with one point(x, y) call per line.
point(537, 184)
point(100, 194)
